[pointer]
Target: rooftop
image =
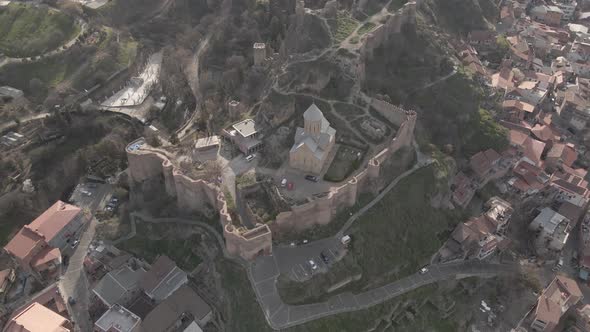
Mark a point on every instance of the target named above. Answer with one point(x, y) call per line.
point(246, 128)
point(184, 301)
point(207, 142)
point(162, 279)
point(37, 318)
point(50, 222)
point(119, 319)
point(113, 286)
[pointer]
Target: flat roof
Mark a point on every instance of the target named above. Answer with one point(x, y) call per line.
point(246, 128)
point(207, 142)
point(118, 317)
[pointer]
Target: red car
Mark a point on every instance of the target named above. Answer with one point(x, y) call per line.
point(290, 185)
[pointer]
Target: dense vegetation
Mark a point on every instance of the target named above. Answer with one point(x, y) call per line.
point(27, 30)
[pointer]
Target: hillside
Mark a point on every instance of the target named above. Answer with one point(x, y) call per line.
point(27, 30)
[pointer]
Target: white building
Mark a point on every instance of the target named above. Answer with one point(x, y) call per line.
point(554, 229)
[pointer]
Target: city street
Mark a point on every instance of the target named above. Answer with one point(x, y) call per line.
point(263, 274)
point(74, 283)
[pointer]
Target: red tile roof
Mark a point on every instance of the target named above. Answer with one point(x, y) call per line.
point(45, 256)
point(520, 105)
point(543, 133)
point(567, 153)
point(50, 222)
point(482, 162)
point(23, 243)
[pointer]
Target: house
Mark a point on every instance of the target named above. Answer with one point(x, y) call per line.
point(519, 110)
point(550, 15)
point(162, 279)
point(561, 154)
point(528, 179)
point(245, 135)
point(36, 247)
point(553, 228)
point(313, 143)
point(178, 311)
point(529, 148)
point(463, 189)
point(583, 318)
point(481, 236)
point(119, 286)
point(484, 39)
point(118, 319)
point(503, 79)
point(544, 133)
point(578, 56)
point(570, 184)
point(37, 318)
point(483, 164)
point(555, 300)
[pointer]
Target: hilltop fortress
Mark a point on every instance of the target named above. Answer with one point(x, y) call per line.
point(196, 192)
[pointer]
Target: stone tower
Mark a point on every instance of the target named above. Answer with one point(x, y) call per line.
point(259, 53)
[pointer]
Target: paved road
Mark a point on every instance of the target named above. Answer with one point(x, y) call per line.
point(74, 282)
point(263, 274)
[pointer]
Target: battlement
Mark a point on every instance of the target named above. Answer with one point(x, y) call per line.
point(146, 162)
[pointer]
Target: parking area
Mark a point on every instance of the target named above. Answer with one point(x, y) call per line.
point(301, 261)
point(92, 196)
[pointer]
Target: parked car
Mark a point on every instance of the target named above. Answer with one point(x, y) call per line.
point(284, 183)
point(250, 157)
point(71, 300)
point(86, 192)
point(312, 178)
point(324, 258)
point(423, 270)
point(75, 243)
point(313, 265)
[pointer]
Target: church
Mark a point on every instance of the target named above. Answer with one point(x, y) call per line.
point(313, 143)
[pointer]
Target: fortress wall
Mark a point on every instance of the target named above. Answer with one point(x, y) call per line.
point(323, 210)
point(193, 194)
point(393, 25)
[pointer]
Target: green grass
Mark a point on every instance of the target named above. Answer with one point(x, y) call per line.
point(28, 30)
point(365, 28)
point(344, 164)
point(400, 233)
point(82, 67)
point(245, 314)
point(345, 25)
point(179, 251)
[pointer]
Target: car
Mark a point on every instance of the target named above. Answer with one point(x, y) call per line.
point(324, 258)
point(71, 300)
point(423, 270)
point(312, 178)
point(75, 243)
point(284, 183)
point(250, 157)
point(305, 241)
point(114, 200)
point(65, 260)
point(109, 208)
point(290, 186)
point(313, 265)
point(293, 244)
point(86, 192)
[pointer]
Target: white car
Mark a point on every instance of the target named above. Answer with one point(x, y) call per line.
point(423, 270)
point(251, 157)
point(313, 265)
point(75, 244)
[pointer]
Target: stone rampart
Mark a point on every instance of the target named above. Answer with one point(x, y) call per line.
point(322, 210)
point(146, 163)
point(381, 34)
